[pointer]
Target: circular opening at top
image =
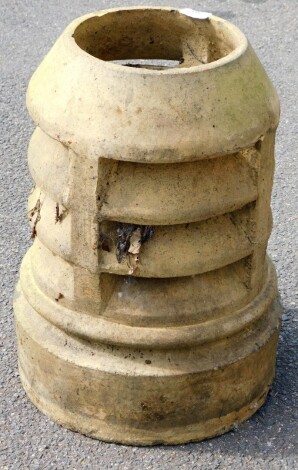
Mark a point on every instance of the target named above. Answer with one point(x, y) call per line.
point(155, 38)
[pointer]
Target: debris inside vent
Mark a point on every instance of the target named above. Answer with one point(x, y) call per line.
point(59, 215)
point(34, 217)
point(128, 241)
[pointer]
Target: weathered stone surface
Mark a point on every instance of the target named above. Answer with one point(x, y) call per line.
point(176, 342)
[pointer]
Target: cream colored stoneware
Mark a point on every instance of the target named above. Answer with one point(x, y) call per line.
point(176, 342)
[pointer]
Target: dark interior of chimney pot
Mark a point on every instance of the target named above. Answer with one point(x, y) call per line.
point(153, 39)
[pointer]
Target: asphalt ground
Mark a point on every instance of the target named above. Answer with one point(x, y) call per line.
point(29, 440)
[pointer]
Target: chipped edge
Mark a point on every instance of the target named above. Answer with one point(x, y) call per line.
point(198, 15)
